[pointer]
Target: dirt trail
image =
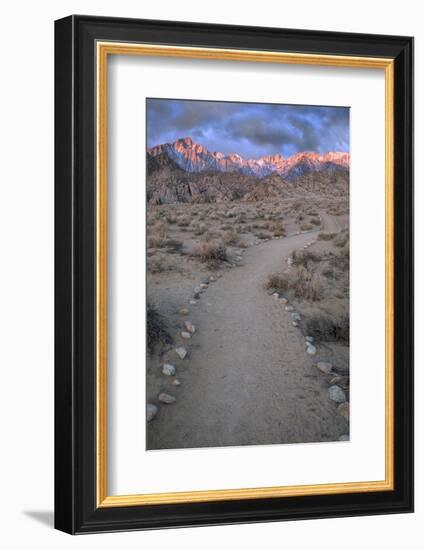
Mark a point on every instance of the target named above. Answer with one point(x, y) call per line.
point(248, 379)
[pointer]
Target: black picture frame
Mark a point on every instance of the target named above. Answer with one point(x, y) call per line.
point(76, 510)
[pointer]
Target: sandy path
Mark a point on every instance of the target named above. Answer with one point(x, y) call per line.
point(248, 379)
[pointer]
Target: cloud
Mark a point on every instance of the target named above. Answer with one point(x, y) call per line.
point(250, 129)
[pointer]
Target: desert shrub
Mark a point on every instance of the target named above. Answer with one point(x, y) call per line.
point(305, 257)
point(322, 326)
point(157, 330)
point(279, 230)
point(230, 238)
point(173, 245)
point(226, 227)
point(340, 239)
point(210, 251)
point(306, 227)
point(211, 235)
point(154, 265)
point(183, 221)
point(314, 221)
point(306, 285)
point(261, 225)
point(330, 273)
point(323, 236)
point(341, 261)
point(301, 283)
point(277, 281)
point(155, 241)
point(161, 229)
point(171, 219)
point(199, 229)
point(263, 235)
point(346, 249)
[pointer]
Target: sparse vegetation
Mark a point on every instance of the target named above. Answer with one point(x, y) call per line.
point(231, 238)
point(154, 265)
point(329, 328)
point(277, 282)
point(183, 221)
point(173, 245)
point(306, 227)
point(199, 229)
point(211, 252)
point(157, 331)
point(323, 236)
point(154, 241)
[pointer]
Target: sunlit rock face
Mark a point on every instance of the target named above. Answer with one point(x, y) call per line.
point(193, 157)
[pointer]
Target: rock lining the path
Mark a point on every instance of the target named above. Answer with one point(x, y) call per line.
point(168, 369)
point(151, 411)
point(181, 352)
point(324, 367)
point(336, 394)
point(166, 398)
point(342, 381)
point(343, 410)
point(190, 327)
point(311, 350)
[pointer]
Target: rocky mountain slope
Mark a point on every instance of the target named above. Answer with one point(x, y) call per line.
point(193, 157)
point(168, 183)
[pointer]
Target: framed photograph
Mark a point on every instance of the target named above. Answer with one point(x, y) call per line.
point(234, 268)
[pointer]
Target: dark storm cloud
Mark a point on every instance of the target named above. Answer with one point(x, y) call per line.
point(251, 130)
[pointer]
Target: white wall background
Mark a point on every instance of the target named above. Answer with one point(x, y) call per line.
point(26, 275)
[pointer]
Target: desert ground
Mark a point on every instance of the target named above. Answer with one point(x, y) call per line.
point(255, 296)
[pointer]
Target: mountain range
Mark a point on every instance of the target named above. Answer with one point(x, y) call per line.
point(187, 172)
point(193, 157)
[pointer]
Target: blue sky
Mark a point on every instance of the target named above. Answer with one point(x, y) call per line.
point(250, 129)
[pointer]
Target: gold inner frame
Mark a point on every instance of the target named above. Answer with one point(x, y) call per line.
point(103, 50)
